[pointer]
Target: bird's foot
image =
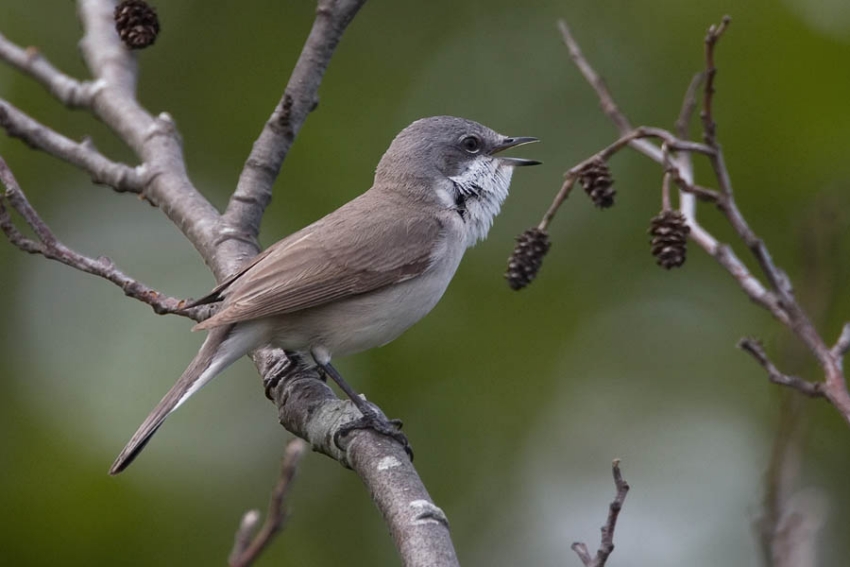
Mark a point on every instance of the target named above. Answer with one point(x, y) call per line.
point(377, 422)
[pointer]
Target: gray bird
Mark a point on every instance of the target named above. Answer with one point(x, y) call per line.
point(362, 275)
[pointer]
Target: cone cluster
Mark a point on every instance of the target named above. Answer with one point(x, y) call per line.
point(136, 23)
point(669, 231)
point(527, 257)
point(596, 179)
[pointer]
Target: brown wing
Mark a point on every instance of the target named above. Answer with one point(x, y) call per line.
point(349, 252)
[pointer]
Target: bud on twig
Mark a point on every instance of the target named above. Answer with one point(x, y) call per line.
point(596, 179)
point(136, 23)
point(527, 257)
point(669, 231)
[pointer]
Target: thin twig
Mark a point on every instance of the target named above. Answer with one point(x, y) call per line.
point(609, 107)
point(778, 296)
point(711, 38)
point(566, 189)
point(753, 347)
point(119, 176)
point(842, 345)
point(689, 105)
point(50, 247)
point(684, 163)
point(154, 139)
point(246, 550)
point(606, 545)
point(626, 140)
point(30, 61)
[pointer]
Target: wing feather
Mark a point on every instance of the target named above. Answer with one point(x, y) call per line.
point(347, 253)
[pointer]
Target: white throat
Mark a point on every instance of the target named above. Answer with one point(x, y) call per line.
point(480, 192)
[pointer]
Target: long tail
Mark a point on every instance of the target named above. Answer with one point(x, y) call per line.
point(222, 347)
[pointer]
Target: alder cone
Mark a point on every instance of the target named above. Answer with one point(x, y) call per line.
point(669, 231)
point(136, 23)
point(527, 258)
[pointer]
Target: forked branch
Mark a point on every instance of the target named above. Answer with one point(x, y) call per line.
point(606, 544)
point(50, 247)
point(674, 155)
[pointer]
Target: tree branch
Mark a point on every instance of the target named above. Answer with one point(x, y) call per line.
point(711, 38)
point(246, 549)
point(308, 408)
point(254, 189)
point(842, 345)
point(154, 139)
point(606, 545)
point(30, 61)
point(609, 107)
point(120, 177)
point(779, 299)
point(754, 348)
point(50, 247)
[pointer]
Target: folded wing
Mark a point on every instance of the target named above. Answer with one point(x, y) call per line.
point(339, 256)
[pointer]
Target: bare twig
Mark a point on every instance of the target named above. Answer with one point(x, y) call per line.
point(684, 163)
point(689, 105)
point(711, 38)
point(626, 140)
point(778, 296)
point(753, 347)
point(566, 189)
point(246, 549)
point(30, 61)
point(609, 107)
point(842, 345)
point(606, 545)
point(120, 177)
point(254, 189)
point(50, 247)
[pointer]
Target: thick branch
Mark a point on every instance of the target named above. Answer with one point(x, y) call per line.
point(154, 139)
point(308, 408)
point(120, 177)
point(254, 189)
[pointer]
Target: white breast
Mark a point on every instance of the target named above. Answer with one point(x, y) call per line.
point(484, 185)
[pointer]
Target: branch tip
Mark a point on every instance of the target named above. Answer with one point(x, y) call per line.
point(606, 545)
point(246, 549)
point(754, 348)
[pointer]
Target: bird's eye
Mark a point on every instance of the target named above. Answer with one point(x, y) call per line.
point(471, 144)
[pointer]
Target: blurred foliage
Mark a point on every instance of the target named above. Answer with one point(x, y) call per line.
point(515, 402)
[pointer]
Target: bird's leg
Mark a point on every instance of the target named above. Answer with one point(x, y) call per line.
point(371, 419)
point(292, 363)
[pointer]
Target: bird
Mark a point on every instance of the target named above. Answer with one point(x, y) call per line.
point(359, 277)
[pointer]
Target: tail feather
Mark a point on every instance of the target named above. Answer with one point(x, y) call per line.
point(220, 349)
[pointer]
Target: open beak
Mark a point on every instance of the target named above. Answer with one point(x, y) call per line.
point(512, 143)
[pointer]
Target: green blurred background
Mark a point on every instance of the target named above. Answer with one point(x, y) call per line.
point(515, 402)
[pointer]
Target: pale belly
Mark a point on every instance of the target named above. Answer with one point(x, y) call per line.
point(361, 322)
